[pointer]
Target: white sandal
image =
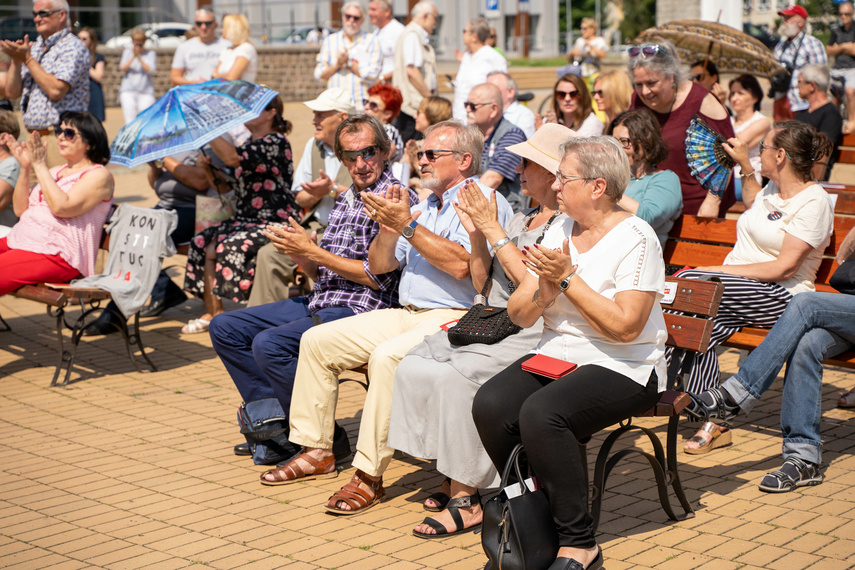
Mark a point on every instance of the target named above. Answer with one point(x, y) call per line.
point(847, 400)
point(194, 326)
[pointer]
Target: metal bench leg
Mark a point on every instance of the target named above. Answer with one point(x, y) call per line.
point(135, 338)
point(64, 357)
point(6, 327)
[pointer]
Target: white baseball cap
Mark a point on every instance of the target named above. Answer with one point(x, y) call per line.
point(334, 99)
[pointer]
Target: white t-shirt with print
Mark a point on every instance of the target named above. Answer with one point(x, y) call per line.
point(808, 216)
point(245, 50)
point(628, 258)
point(197, 59)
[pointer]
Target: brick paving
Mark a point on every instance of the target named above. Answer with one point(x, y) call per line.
point(135, 470)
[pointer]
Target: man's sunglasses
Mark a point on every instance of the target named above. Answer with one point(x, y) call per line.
point(199, 24)
point(66, 133)
point(647, 50)
point(432, 155)
point(352, 17)
point(44, 13)
point(472, 107)
point(366, 153)
point(564, 94)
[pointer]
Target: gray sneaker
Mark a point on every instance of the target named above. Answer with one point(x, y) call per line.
point(793, 473)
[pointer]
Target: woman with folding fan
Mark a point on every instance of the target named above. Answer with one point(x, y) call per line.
point(779, 246)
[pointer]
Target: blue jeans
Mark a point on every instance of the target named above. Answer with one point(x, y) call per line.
point(260, 345)
point(815, 326)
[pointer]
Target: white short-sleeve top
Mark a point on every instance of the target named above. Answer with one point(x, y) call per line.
point(627, 258)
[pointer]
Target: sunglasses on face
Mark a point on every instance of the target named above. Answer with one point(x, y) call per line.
point(44, 13)
point(352, 17)
point(597, 93)
point(647, 50)
point(565, 94)
point(845, 14)
point(697, 78)
point(201, 24)
point(370, 104)
point(366, 153)
point(66, 133)
point(472, 107)
point(432, 154)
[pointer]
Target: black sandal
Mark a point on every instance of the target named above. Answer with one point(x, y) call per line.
point(454, 506)
point(720, 410)
point(439, 498)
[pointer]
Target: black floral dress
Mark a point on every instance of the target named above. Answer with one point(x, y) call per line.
point(263, 195)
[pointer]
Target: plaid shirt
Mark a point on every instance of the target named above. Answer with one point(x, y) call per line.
point(348, 235)
point(810, 50)
point(66, 58)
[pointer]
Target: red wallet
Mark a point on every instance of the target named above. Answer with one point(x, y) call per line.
point(548, 366)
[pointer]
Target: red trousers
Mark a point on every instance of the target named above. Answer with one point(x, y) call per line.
point(19, 268)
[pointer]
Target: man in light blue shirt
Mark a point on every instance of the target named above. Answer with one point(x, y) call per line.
point(431, 245)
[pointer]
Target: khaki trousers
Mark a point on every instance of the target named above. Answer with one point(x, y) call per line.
point(380, 338)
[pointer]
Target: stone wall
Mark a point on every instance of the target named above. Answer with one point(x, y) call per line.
point(287, 69)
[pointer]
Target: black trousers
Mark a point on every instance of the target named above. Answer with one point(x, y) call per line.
point(549, 417)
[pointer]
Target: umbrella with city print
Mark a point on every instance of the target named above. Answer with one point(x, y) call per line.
point(186, 118)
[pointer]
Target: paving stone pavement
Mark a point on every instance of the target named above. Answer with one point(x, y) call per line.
point(122, 469)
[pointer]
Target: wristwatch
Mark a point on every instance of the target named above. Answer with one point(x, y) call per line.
point(565, 283)
point(409, 230)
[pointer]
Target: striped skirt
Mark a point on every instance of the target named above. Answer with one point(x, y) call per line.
point(745, 303)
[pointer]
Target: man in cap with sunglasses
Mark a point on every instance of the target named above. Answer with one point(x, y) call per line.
point(430, 244)
point(319, 179)
point(350, 59)
point(196, 59)
point(259, 345)
point(50, 74)
point(796, 49)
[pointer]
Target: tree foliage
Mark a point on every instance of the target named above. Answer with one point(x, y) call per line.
point(638, 16)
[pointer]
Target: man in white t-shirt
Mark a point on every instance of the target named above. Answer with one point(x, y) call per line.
point(517, 114)
point(196, 59)
point(388, 31)
point(478, 61)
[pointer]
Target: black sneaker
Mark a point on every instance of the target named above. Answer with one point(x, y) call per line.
point(792, 474)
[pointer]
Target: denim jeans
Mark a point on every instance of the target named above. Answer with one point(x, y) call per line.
point(260, 345)
point(815, 326)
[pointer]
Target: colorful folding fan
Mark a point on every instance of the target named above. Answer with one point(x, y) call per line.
point(708, 162)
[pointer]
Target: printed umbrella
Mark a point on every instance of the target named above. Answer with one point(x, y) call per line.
point(187, 117)
point(708, 162)
point(732, 50)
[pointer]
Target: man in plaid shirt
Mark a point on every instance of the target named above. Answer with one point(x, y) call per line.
point(260, 345)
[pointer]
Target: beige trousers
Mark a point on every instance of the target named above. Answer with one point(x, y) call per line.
point(380, 338)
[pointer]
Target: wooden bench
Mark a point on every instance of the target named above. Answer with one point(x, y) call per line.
point(701, 241)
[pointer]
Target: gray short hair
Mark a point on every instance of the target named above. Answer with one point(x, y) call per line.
point(481, 28)
point(816, 73)
point(466, 139)
point(354, 124)
point(385, 4)
point(510, 82)
point(206, 10)
point(665, 61)
point(353, 4)
point(421, 8)
point(60, 5)
point(600, 157)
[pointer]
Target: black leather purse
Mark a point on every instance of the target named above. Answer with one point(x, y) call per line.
point(518, 533)
point(482, 323)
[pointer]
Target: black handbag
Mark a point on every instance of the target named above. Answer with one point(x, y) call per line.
point(843, 278)
point(482, 323)
point(518, 533)
point(265, 425)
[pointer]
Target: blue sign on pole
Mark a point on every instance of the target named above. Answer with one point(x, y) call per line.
point(492, 5)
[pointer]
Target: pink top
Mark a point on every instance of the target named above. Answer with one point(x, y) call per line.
point(75, 239)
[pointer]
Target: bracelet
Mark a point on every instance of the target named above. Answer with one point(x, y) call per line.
point(746, 174)
point(334, 191)
point(536, 297)
point(500, 244)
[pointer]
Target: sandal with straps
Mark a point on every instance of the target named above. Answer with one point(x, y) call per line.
point(441, 499)
point(718, 438)
point(454, 506)
point(355, 497)
point(720, 410)
point(793, 473)
point(292, 472)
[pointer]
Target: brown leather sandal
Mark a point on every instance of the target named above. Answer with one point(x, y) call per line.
point(293, 472)
point(355, 497)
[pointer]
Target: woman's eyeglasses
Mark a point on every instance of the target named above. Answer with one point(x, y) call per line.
point(624, 142)
point(565, 178)
point(565, 94)
point(66, 133)
point(646, 50)
point(764, 146)
point(432, 155)
point(370, 104)
point(366, 153)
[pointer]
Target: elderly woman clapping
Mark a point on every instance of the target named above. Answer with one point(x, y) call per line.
point(596, 279)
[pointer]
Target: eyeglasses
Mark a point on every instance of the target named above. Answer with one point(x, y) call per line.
point(565, 178)
point(44, 13)
point(139, 45)
point(472, 107)
point(849, 14)
point(764, 146)
point(370, 104)
point(698, 77)
point(66, 133)
point(352, 17)
point(565, 94)
point(200, 24)
point(432, 154)
point(366, 153)
point(624, 142)
point(597, 93)
point(647, 50)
